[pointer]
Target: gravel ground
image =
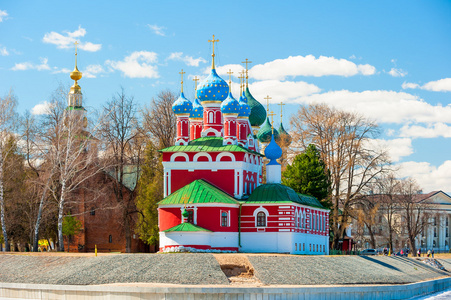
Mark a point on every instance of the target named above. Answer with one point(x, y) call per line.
point(159, 268)
point(331, 270)
point(204, 269)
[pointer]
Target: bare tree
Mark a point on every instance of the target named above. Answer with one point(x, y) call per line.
point(70, 154)
point(413, 209)
point(7, 118)
point(159, 123)
point(343, 141)
point(123, 146)
point(366, 213)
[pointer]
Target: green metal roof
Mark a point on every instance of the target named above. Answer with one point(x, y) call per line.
point(279, 193)
point(186, 227)
point(208, 144)
point(265, 133)
point(310, 200)
point(198, 191)
point(258, 112)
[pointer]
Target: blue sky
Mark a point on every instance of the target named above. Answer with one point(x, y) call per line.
point(389, 60)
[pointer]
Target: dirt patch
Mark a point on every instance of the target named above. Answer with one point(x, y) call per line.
point(238, 269)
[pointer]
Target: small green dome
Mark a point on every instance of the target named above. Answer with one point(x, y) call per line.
point(284, 136)
point(185, 213)
point(265, 133)
point(258, 112)
point(273, 192)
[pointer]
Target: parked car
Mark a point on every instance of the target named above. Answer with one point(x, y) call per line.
point(368, 252)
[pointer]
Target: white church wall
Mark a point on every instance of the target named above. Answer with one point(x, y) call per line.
point(178, 238)
point(224, 239)
point(259, 241)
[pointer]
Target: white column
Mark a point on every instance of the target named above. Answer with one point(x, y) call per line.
point(441, 232)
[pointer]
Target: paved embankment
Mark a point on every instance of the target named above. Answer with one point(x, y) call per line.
point(204, 269)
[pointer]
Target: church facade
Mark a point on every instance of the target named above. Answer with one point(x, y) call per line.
point(214, 196)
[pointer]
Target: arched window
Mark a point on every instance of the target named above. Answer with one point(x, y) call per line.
point(110, 239)
point(224, 219)
point(261, 219)
point(211, 117)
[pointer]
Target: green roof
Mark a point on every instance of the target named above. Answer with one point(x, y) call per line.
point(208, 144)
point(186, 227)
point(75, 108)
point(198, 191)
point(279, 193)
point(258, 112)
point(265, 133)
point(310, 200)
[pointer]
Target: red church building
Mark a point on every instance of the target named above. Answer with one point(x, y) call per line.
point(215, 199)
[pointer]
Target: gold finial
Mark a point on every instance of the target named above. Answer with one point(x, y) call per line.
point(230, 79)
point(281, 107)
point(195, 79)
point(267, 103)
point(247, 77)
point(181, 73)
point(272, 114)
point(213, 41)
point(75, 75)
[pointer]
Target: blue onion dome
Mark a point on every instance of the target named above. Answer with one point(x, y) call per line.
point(182, 105)
point(258, 112)
point(284, 136)
point(273, 152)
point(265, 133)
point(213, 88)
point(245, 110)
point(230, 105)
point(198, 110)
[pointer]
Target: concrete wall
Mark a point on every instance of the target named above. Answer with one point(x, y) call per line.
point(35, 291)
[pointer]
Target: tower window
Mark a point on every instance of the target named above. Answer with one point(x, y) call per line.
point(110, 239)
point(93, 211)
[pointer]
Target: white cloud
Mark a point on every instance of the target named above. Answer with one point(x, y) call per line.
point(409, 85)
point(384, 106)
point(429, 177)
point(396, 148)
point(4, 51)
point(137, 65)
point(63, 70)
point(88, 46)
point(41, 108)
point(188, 60)
point(3, 15)
point(308, 66)
point(285, 91)
point(397, 72)
point(30, 66)
point(91, 71)
point(442, 85)
point(158, 30)
point(67, 40)
point(429, 131)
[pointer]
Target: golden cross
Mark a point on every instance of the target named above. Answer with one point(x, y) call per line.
point(272, 114)
point(76, 43)
point(195, 79)
point(246, 62)
point(213, 41)
point(230, 79)
point(281, 106)
point(267, 102)
point(241, 77)
point(181, 73)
